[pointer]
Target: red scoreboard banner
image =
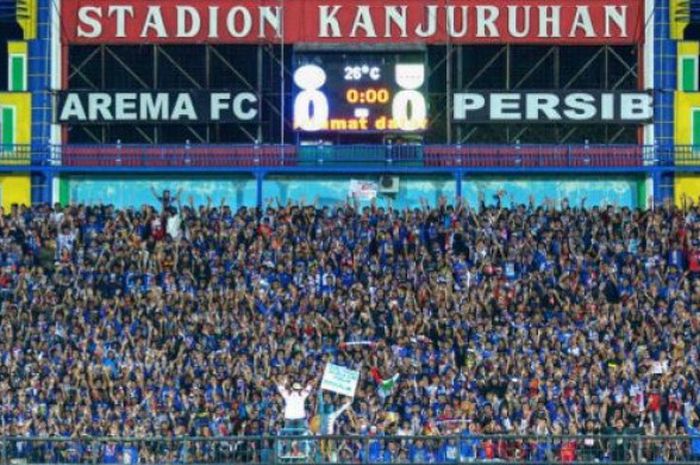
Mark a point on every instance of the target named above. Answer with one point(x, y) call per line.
point(585, 22)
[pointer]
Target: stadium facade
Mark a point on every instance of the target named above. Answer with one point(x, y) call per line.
point(295, 99)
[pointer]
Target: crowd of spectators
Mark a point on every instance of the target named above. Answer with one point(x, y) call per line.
point(492, 319)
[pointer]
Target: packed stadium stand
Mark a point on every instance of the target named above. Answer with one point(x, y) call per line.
point(487, 319)
point(318, 232)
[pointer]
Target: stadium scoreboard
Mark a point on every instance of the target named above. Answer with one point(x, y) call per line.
point(347, 72)
point(360, 92)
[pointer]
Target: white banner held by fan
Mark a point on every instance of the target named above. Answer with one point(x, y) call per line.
point(363, 190)
point(340, 380)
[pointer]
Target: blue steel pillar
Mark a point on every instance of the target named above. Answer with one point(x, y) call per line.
point(42, 187)
point(458, 182)
point(664, 91)
point(39, 83)
point(663, 186)
point(259, 178)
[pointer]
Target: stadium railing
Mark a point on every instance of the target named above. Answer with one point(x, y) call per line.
point(581, 450)
point(408, 155)
point(515, 156)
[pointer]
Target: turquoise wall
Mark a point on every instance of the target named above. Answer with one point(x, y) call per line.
point(331, 190)
point(334, 190)
point(136, 191)
point(623, 191)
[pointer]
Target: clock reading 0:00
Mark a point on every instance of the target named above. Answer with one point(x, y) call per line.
point(367, 96)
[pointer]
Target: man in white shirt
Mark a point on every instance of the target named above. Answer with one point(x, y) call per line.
point(328, 417)
point(173, 224)
point(294, 404)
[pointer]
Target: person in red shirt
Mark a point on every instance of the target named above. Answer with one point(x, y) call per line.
point(157, 226)
point(568, 448)
point(694, 261)
point(654, 402)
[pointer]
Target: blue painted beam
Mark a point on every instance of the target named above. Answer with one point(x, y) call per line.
point(342, 169)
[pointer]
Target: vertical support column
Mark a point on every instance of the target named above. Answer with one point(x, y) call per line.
point(156, 78)
point(207, 77)
point(282, 78)
point(448, 84)
point(648, 63)
point(42, 187)
point(259, 90)
point(39, 84)
point(664, 74)
point(508, 84)
point(556, 74)
point(259, 180)
point(47, 188)
point(663, 186)
point(103, 85)
point(458, 182)
point(460, 83)
point(664, 93)
point(39, 76)
point(58, 79)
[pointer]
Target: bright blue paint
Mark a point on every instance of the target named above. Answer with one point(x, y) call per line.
point(42, 186)
point(664, 89)
point(664, 73)
point(38, 79)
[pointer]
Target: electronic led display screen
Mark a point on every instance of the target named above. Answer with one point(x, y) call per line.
point(360, 92)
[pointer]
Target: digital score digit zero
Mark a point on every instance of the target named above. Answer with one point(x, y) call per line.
point(359, 93)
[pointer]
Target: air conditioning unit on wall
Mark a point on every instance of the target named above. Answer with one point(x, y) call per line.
point(389, 185)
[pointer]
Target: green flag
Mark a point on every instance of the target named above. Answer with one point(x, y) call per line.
point(387, 385)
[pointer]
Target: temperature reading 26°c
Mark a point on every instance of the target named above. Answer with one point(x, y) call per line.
point(359, 72)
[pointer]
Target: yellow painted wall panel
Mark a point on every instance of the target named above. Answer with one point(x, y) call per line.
point(677, 27)
point(15, 188)
point(17, 80)
point(17, 47)
point(683, 123)
point(22, 102)
point(686, 49)
point(688, 185)
point(26, 17)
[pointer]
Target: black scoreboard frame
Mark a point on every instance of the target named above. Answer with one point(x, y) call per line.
point(266, 70)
